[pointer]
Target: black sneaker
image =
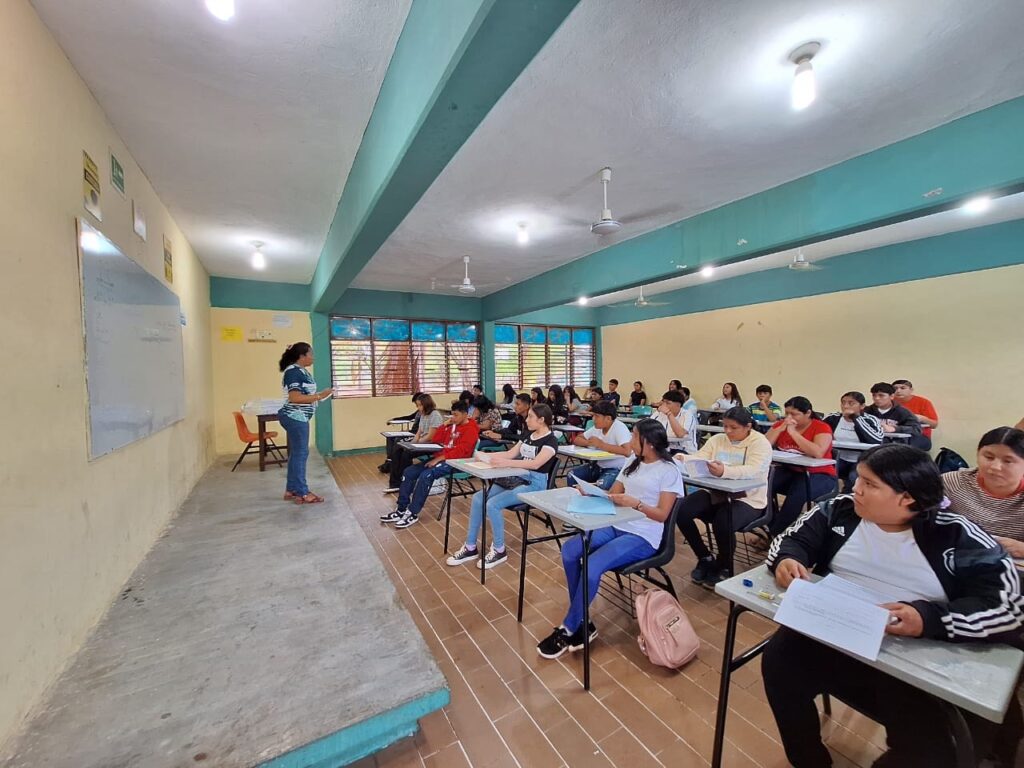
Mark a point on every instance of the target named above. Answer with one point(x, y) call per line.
point(407, 519)
point(575, 640)
point(705, 567)
point(493, 558)
point(464, 555)
point(555, 644)
point(392, 517)
point(720, 574)
point(384, 468)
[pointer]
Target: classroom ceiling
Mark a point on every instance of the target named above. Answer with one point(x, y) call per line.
point(246, 129)
point(688, 102)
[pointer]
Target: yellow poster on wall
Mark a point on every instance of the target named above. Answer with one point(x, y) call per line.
point(231, 333)
point(168, 261)
point(91, 186)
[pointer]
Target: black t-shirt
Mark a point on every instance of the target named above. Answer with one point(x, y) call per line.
point(530, 447)
point(635, 397)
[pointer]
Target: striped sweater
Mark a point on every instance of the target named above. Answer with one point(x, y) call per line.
point(1000, 517)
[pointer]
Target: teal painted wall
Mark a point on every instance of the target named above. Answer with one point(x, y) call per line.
point(258, 294)
point(324, 421)
point(407, 305)
point(998, 245)
point(579, 316)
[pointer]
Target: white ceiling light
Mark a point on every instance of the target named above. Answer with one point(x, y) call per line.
point(582, 301)
point(259, 261)
point(804, 89)
point(607, 225)
point(978, 205)
point(708, 271)
point(523, 235)
point(222, 9)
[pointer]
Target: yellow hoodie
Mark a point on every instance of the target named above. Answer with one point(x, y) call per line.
point(748, 459)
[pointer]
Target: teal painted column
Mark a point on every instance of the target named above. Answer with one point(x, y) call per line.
point(324, 422)
point(488, 370)
point(598, 356)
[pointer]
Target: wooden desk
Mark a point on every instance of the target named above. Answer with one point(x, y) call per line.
point(261, 420)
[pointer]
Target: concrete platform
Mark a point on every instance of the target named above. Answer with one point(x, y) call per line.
point(256, 632)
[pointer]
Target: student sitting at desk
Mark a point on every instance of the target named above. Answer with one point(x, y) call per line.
point(922, 408)
point(607, 434)
point(853, 425)
point(595, 395)
point(650, 484)
point(993, 494)
point(389, 448)
point(800, 432)
point(430, 420)
point(488, 418)
point(679, 423)
point(739, 453)
point(572, 400)
point(894, 417)
point(765, 410)
point(556, 402)
point(612, 393)
point(538, 454)
point(458, 439)
point(510, 394)
point(537, 396)
point(690, 404)
point(730, 398)
point(638, 396)
point(516, 429)
point(947, 580)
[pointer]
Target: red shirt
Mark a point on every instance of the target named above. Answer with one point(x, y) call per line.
point(920, 406)
point(816, 427)
point(458, 441)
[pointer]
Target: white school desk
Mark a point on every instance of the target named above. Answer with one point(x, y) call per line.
point(555, 503)
point(713, 428)
point(733, 490)
point(488, 476)
point(566, 428)
point(977, 677)
point(799, 460)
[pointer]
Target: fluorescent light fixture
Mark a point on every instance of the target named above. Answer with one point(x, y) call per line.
point(582, 301)
point(222, 9)
point(804, 88)
point(259, 261)
point(707, 271)
point(523, 235)
point(978, 204)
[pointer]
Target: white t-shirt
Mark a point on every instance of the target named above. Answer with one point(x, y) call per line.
point(690, 405)
point(647, 484)
point(618, 434)
point(845, 431)
point(888, 563)
point(687, 420)
point(722, 404)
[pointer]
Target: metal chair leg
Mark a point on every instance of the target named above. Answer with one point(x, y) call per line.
point(245, 452)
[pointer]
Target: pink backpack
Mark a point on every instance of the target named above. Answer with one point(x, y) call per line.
point(666, 635)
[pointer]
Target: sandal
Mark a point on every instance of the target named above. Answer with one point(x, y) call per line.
point(288, 496)
point(309, 498)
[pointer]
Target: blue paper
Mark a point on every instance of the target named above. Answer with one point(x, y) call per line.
point(591, 505)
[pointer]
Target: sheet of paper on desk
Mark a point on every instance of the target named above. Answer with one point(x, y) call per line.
point(849, 589)
point(828, 615)
point(591, 490)
point(696, 468)
point(397, 434)
point(427, 446)
point(593, 453)
point(478, 465)
point(591, 505)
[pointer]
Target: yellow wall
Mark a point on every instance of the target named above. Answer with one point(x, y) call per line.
point(245, 370)
point(958, 338)
point(358, 422)
point(71, 531)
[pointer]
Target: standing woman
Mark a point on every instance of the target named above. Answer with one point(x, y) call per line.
point(300, 400)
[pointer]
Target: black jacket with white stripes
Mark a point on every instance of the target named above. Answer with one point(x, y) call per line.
point(975, 572)
point(868, 427)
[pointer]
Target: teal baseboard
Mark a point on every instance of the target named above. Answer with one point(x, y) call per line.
point(362, 739)
point(356, 451)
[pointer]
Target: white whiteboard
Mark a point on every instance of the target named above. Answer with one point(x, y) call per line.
point(133, 351)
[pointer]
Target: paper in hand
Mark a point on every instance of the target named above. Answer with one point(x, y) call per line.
point(834, 617)
point(590, 489)
point(696, 468)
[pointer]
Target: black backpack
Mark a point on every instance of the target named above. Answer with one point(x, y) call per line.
point(950, 461)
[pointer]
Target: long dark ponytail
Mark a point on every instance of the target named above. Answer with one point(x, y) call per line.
point(292, 353)
point(653, 434)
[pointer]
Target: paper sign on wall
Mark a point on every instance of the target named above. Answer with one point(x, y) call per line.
point(138, 220)
point(168, 261)
point(231, 333)
point(282, 321)
point(91, 186)
point(116, 174)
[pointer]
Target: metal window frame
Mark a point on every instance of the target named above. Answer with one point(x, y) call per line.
point(547, 352)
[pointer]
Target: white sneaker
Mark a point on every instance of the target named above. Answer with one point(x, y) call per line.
point(392, 517)
point(407, 520)
point(464, 555)
point(493, 558)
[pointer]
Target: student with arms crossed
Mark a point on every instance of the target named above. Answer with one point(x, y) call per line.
point(516, 429)
point(680, 424)
point(650, 484)
point(612, 393)
point(922, 408)
point(947, 580)
point(894, 417)
point(739, 453)
point(638, 396)
point(537, 453)
point(800, 432)
point(853, 425)
point(458, 438)
point(608, 434)
point(764, 410)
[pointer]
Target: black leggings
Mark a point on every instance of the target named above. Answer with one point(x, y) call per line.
point(701, 506)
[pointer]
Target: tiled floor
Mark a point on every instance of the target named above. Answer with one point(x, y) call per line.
point(511, 707)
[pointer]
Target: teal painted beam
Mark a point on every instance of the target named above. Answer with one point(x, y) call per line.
point(997, 245)
point(258, 294)
point(323, 423)
point(427, 306)
point(578, 316)
point(453, 61)
point(488, 370)
point(981, 152)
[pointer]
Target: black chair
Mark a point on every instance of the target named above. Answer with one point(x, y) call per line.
point(758, 527)
point(523, 513)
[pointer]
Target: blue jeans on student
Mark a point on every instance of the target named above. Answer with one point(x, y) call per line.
point(415, 486)
point(497, 499)
point(298, 453)
point(592, 473)
point(609, 548)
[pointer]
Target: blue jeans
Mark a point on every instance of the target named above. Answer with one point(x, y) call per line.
point(592, 473)
point(298, 453)
point(497, 499)
point(415, 486)
point(609, 548)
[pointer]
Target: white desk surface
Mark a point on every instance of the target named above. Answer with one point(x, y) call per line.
point(852, 445)
point(632, 419)
point(574, 452)
point(396, 434)
point(556, 503)
point(566, 428)
point(486, 474)
point(395, 422)
point(799, 460)
point(977, 677)
point(896, 436)
point(723, 484)
point(716, 428)
point(505, 407)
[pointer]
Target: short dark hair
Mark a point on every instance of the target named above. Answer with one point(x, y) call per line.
point(600, 392)
point(1011, 437)
point(908, 470)
point(593, 382)
point(603, 408)
point(740, 415)
point(543, 411)
point(853, 393)
point(675, 396)
point(614, 381)
point(523, 397)
point(478, 386)
point(460, 406)
point(416, 396)
point(883, 386)
point(466, 395)
point(907, 382)
point(677, 382)
point(640, 383)
point(800, 403)
point(482, 403)
point(763, 388)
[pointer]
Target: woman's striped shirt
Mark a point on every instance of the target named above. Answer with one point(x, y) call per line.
point(1000, 517)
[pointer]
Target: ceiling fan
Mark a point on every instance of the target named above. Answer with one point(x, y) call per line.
point(801, 264)
point(641, 302)
point(606, 225)
point(466, 286)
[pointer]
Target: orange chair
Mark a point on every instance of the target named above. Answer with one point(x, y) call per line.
point(249, 438)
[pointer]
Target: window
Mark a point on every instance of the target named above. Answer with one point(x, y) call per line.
point(378, 357)
point(536, 355)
